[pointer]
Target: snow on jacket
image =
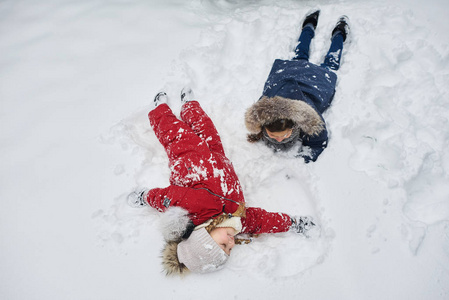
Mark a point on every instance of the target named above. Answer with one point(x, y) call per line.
point(299, 91)
point(203, 180)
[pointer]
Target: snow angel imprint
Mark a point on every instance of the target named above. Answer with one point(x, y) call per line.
point(296, 94)
point(204, 208)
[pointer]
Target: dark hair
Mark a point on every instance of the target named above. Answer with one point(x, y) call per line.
point(279, 125)
point(276, 126)
point(254, 137)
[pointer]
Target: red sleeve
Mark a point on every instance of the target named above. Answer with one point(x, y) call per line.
point(155, 197)
point(175, 135)
point(202, 125)
point(200, 204)
point(258, 221)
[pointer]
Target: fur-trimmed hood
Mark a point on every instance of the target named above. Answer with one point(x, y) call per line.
point(170, 261)
point(268, 110)
point(174, 223)
point(197, 252)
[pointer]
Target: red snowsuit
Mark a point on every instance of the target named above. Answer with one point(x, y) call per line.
point(203, 180)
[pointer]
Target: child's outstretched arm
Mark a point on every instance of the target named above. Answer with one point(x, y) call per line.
point(202, 125)
point(316, 144)
point(258, 220)
point(196, 201)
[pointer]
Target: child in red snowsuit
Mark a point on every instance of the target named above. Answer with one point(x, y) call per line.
point(204, 200)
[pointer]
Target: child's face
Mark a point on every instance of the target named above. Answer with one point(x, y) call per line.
point(224, 237)
point(280, 136)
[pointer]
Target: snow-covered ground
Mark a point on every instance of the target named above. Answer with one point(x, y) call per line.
point(76, 80)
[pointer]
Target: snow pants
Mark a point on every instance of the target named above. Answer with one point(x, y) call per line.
point(333, 56)
point(195, 132)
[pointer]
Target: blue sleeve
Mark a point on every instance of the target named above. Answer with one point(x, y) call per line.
point(313, 146)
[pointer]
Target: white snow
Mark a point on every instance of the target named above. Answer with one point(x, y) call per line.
point(77, 80)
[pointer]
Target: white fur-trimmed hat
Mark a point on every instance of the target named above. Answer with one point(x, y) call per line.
point(200, 253)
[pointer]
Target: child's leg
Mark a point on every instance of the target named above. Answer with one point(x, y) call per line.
point(175, 135)
point(202, 125)
point(333, 56)
point(302, 49)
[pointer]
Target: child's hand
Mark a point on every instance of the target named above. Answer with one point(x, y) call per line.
point(305, 226)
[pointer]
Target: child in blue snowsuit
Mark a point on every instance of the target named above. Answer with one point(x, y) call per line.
point(296, 94)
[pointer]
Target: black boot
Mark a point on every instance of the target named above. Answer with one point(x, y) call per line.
point(161, 97)
point(187, 95)
point(342, 27)
point(312, 18)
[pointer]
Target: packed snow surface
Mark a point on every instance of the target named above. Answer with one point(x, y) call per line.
point(77, 82)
